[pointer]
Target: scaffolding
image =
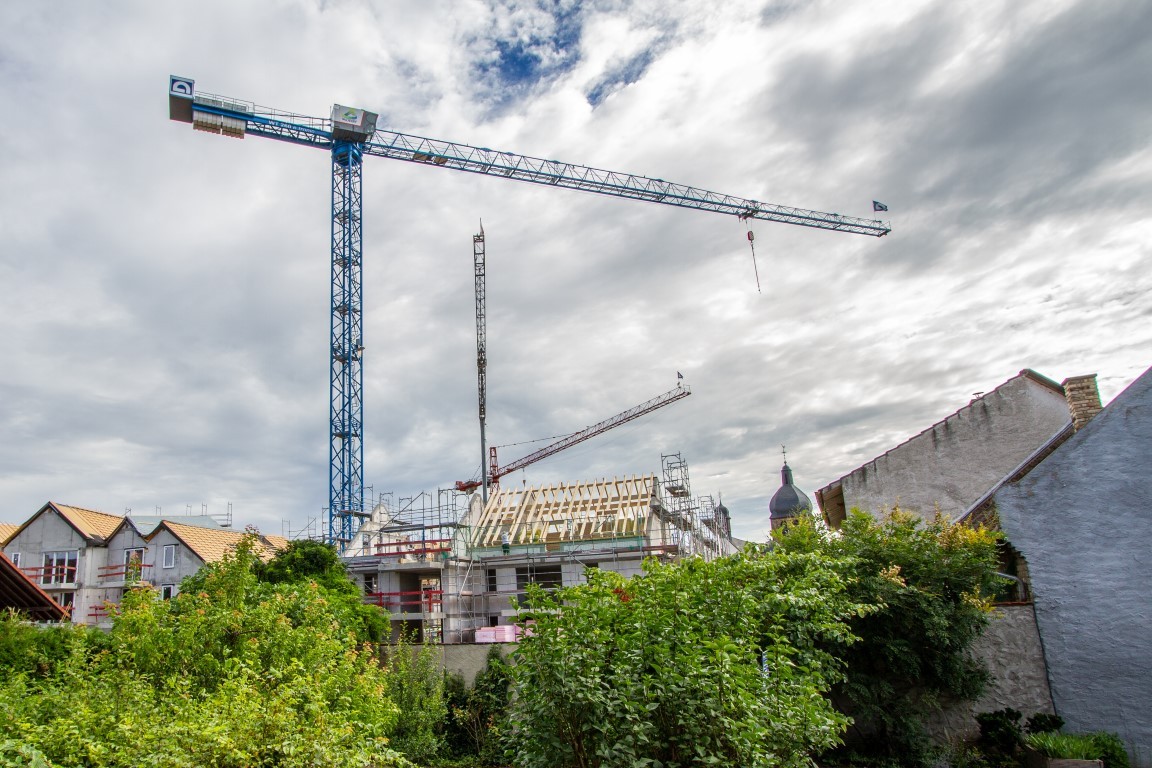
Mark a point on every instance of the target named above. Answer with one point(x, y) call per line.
point(446, 565)
point(401, 552)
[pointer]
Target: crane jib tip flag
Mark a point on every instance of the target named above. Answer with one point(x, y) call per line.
point(878, 206)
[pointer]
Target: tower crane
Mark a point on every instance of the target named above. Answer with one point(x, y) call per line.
point(495, 471)
point(348, 135)
point(478, 263)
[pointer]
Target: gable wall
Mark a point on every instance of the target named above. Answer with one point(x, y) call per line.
point(187, 561)
point(955, 462)
point(1083, 521)
point(49, 532)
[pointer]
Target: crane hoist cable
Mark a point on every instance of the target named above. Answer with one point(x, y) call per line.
point(752, 244)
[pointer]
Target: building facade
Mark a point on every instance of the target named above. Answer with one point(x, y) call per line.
point(459, 575)
point(1081, 521)
point(86, 560)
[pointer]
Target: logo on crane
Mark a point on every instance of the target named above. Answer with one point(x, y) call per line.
point(180, 86)
point(349, 115)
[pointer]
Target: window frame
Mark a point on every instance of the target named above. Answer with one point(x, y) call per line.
point(133, 570)
point(168, 556)
point(54, 573)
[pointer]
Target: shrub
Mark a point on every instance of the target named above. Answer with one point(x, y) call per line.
point(1042, 722)
point(693, 663)
point(416, 684)
point(1000, 730)
point(236, 673)
point(1076, 746)
point(930, 583)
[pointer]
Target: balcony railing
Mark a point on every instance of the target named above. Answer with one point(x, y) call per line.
point(129, 573)
point(52, 575)
point(414, 548)
point(416, 601)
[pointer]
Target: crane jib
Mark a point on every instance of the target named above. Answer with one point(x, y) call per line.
point(463, 157)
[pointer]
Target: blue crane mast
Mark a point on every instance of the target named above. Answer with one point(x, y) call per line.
point(350, 134)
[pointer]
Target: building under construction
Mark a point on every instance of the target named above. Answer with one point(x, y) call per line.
point(452, 569)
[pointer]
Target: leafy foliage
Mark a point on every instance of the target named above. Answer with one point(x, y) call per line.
point(232, 673)
point(416, 684)
point(478, 714)
point(931, 582)
point(1000, 730)
point(1043, 722)
point(37, 650)
point(1074, 746)
point(697, 663)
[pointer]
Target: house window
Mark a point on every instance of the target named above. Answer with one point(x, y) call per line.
point(133, 563)
point(491, 579)
point(66, 600)
point(60, 567)
point(169, 555)
point(547, 576)
point(15, 558)
point(167, 591)
point(369, 583)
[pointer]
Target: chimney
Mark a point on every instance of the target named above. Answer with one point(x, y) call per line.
point(1083, 399)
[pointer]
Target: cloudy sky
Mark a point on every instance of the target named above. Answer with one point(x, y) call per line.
point(164, 333)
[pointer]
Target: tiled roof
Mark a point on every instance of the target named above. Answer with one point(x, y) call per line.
point(21, 593)
point(210, 545)
point(6, 530)
point(94, 525)
point(279, 542)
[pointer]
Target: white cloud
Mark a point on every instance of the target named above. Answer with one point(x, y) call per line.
point(166, 291)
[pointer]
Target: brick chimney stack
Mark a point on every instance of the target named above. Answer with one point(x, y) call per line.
point(1083, 399)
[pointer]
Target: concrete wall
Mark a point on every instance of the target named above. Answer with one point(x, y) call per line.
point(468, 660)
point(1083, 521)
point(187, 562)
point(1012, 651)
point(956, 461)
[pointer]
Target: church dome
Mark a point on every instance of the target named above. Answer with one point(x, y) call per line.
point(789, 501)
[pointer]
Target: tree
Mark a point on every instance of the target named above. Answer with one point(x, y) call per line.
point(233, 673)
point(698, 662)
point(478, 713)
point(931, 583)
point(306, 561)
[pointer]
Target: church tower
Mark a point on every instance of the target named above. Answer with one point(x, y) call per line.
point(789, 502)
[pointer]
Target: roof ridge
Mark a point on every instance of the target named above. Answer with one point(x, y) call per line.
point(1026, 373)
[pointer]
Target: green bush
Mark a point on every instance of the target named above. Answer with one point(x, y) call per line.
point(695, 663)
point(1081, 746)
point(930, 583)
point(416, 684)
point(234, 673)
point(1043, 722)
point(1000, 730)
point(1110, 749)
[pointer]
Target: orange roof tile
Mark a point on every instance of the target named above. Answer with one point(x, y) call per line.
point(279, 542)
point(94, 525)
point(211, 544)
point(6, 530)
